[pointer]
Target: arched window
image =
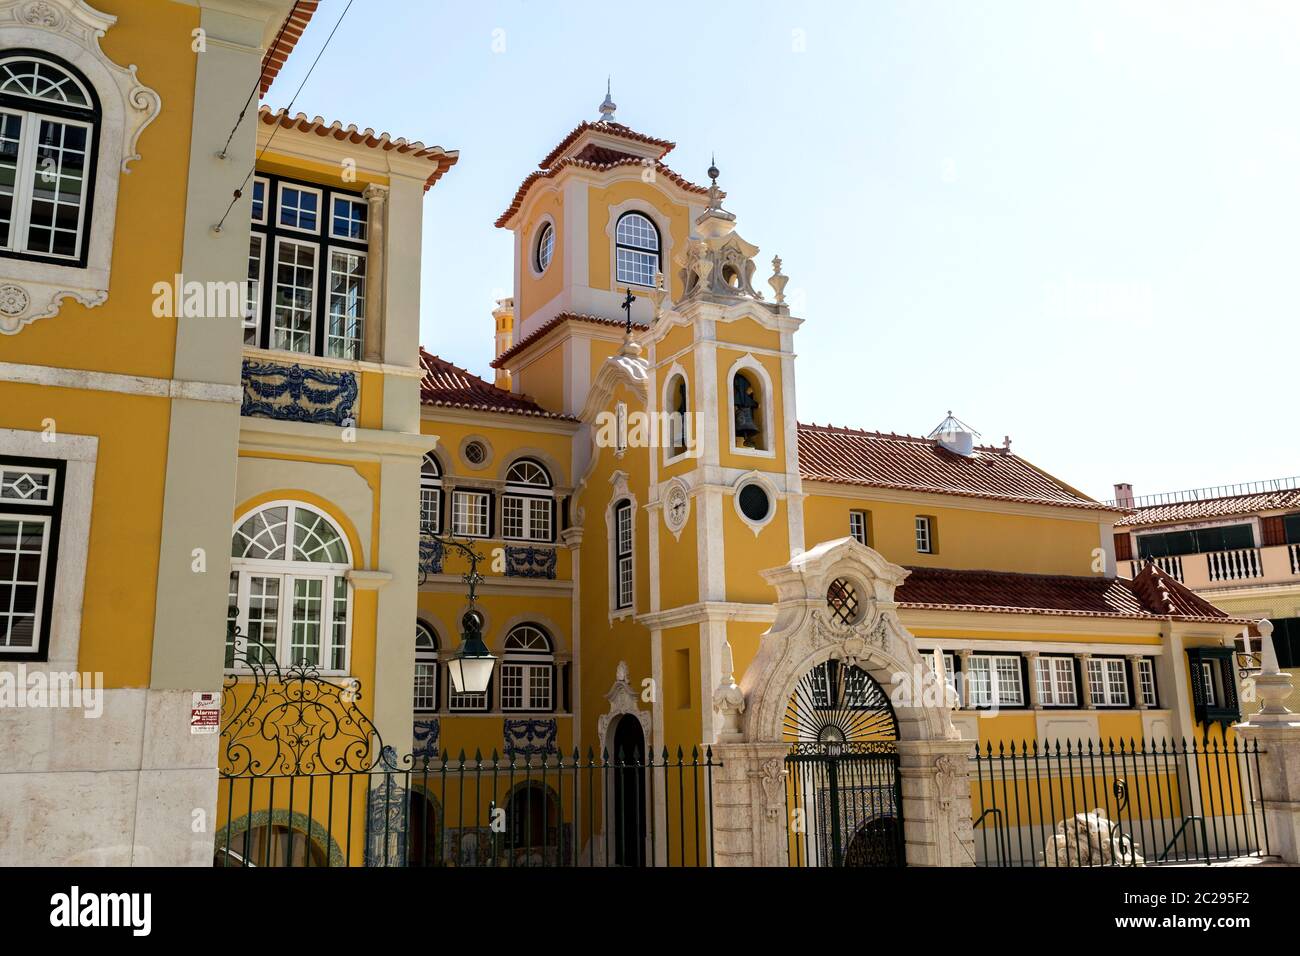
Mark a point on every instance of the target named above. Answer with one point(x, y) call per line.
point(534, 823)
point(289, 590)
point(748, 429)
point(528, 670)
point(430, 495)
point(528, 503)
point(271, 844)
point(49, 119)
point(623, 555)
point(679, 438)
point(636, 249)
point(426, 669)
point(545, 247)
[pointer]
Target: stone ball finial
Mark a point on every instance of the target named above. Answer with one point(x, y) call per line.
point(712, 171)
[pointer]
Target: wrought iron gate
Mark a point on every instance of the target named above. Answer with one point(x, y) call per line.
point(842, 789)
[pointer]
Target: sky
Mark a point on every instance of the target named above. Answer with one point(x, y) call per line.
point(1076, 224)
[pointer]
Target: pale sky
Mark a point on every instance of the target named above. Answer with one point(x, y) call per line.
point(1073, 223)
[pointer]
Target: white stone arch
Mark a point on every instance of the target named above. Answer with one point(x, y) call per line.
point(805, 634)
point(690, 441)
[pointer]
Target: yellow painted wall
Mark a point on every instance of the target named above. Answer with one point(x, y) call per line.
point(988, 538)
point(543, 378)
point(599, 201)
point(534, 290)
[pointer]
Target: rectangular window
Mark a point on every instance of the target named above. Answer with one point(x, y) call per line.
point(858, 526)
point(426, 686)
point(295, 296)
point(1108, 682)
point(11, 127)
point(636, 267)
point(526, 686)
point(259, 201)
point(623, 555)
point(253, 297)
point(924, 538)
point(1196, 541)
point(305, 620)
point(299, 208)
point(469, 513)
point(30, 505)
point(347, 285)
point(339, 626)
point(1055, 681)
point(431, 509)
point(58, 190)
point(525, 518)
point(994, 680)
point(1147, 681)
point(465, 702)
point(348, 219)
point(1207, 678)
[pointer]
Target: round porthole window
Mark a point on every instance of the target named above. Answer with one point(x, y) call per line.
point(475, 453)
point(545, 247)
point(755, 503)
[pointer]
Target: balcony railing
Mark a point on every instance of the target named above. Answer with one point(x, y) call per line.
point(1238, 565)
point(1276, 564)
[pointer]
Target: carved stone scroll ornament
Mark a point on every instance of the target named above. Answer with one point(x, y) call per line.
point(771, 776)
point(853, 639)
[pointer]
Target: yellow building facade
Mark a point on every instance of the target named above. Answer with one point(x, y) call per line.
point(236, 491)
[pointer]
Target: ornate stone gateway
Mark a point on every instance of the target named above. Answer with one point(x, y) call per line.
point(843, 794)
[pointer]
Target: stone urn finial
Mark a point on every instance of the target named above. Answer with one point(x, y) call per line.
point(778, 281)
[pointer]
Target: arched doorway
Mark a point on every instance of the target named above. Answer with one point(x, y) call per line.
point(423, 829)
point(628, 792)
point(533, 826)
point(843, 785)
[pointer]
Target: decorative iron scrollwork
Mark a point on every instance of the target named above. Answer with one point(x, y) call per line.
point(291, 721)
point(299, 394)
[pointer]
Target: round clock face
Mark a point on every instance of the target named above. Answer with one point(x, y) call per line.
point(676, 507)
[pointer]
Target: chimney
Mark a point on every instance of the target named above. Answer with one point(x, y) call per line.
point(1124, 494)
point(504, 316)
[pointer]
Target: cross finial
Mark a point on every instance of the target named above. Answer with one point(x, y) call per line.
point(627, 307)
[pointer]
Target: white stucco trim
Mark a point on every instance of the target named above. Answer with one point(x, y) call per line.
point(773, 493)
point(620, 491)
point(71, 29)
point(122, 384)
point(81, 453)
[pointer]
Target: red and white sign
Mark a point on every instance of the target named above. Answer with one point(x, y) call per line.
point(205, 713)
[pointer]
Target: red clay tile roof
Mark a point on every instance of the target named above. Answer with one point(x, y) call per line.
point(442, 159)
point(1211, 508)
point(612, 129)
point(1152, 595)
point(879, 460)
point(286, 37)
point(501, 360)
point(451, 386)
point(540, 174)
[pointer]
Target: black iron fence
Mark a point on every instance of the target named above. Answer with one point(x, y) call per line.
point(1089, 803)
point(538, 811)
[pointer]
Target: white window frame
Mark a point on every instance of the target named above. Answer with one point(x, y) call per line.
point(25, 172)
point(533, 670)
point(674, 453)
point(1001, 692)
point(635, 251)
point(461, 494)
point(254, 289)
point(1208, 675)
point(540, 267)
point(266, 200)
point(1108, 682)
point(330, 337)
point(535, 502)
point(431, 490)
point(279, 207)
point(1054, 680)
point(924, 536)
point(288, 573)
point(858, 525)
point(426, 657)
point(624, 593)
point(1147, 682)
point(314, 309)
point(12, 509)
point(365, 220)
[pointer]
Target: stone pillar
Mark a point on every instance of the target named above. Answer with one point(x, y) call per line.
point(1086, 689)
point(373, 331)
point(1276, 731)
point(1035, 699)
point(1135, 672)
point(936, 802)
point(750, 827)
